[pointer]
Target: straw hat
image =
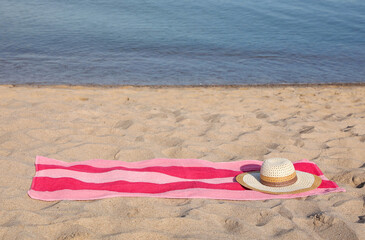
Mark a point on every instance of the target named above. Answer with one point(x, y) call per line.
point(278, 176)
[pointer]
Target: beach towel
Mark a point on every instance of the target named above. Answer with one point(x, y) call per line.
point(162, 178)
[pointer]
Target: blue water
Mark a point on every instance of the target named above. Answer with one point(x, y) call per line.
point(182, 42)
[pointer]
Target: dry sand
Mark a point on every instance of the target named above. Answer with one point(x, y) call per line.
point(325, 124)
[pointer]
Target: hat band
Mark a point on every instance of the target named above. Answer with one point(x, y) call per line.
point(279, 184)
point(277, 179)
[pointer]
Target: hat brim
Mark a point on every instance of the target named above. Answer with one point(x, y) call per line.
point(305, 182)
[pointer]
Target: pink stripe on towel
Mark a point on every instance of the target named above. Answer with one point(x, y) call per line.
point(167, 178)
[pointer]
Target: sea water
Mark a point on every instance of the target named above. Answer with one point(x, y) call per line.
point(185, 42)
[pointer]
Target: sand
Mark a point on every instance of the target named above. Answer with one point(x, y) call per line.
point(325, 124)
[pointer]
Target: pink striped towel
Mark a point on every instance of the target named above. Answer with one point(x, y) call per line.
point(165, 178)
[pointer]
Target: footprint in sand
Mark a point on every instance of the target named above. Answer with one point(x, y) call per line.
point(272, 146)
point(356, 178)
point(123, 124)
point(352, 206)
point(299, 143)
point(232, 225)
point(212, 118)
point(261, 115)
point(265, 217)
point(330, 227)
point(139, 139)
point(286, 213)
point(133, 212)
point(178, 116)
point(76, 232)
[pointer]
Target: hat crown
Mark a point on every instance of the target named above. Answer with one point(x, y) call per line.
point(277, 168)
point(278, 176)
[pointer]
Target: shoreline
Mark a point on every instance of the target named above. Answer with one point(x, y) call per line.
point(230, 86)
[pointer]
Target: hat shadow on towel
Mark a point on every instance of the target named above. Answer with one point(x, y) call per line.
point(248, 168)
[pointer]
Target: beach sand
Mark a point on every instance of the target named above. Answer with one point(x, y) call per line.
point(324, 124)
